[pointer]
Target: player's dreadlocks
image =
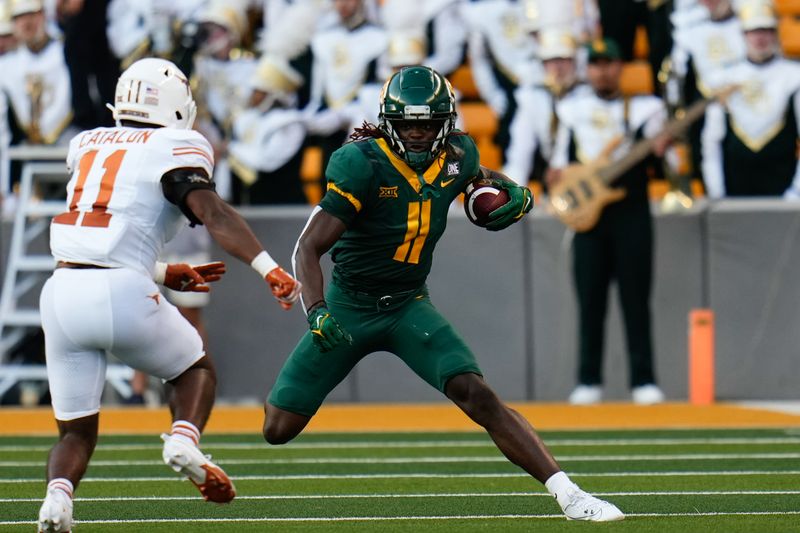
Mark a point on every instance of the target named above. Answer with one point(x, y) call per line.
point(369, 130)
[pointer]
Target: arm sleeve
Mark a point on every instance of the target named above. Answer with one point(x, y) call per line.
point(317, 82)
point(349, 174)
point(280, 146)
point(679, 56)
point(128, 27)
point(178, 183)
point(794, 189)
point(449, 35)
point(711, 139)
point(655, 118)
point(482, 73)
point(521, 149)
point(274, 142)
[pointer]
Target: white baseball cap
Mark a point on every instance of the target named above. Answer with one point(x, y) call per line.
point(21, 7)
point(556, 43)
point(757, 14)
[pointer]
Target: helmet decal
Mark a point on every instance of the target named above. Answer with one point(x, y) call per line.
point(154, 91)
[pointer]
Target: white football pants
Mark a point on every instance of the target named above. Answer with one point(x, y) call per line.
point(87, 313)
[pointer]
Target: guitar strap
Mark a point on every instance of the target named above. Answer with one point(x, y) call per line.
point(553, 118)
point(626, 115)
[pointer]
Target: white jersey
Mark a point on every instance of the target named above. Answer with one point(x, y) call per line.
point(498, 42)
point(593, 123)
point(342, 59)
point(710, 46)
point(533, 127)
point(768, 96)
point(117, 215)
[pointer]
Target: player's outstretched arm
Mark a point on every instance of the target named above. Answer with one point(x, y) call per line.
point(321, 233)
point(188, 278)
point(233, 234)
point(520, 202)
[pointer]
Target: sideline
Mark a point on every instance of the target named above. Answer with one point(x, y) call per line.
point(422, 417)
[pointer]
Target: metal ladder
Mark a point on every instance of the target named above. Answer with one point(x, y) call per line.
point(26, 270)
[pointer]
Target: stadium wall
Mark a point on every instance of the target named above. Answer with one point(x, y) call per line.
point(510, 295)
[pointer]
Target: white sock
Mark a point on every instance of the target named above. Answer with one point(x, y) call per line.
point(62, 484)
point(557, 485)
point(185, 431)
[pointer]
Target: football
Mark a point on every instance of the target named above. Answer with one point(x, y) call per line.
point(480, 199)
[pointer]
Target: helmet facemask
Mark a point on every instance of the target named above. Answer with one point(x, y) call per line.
point(417, 94)
point(418, 158)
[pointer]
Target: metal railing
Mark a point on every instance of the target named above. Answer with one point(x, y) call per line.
point(26, 270)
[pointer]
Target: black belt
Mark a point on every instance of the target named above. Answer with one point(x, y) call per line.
point(386, 302)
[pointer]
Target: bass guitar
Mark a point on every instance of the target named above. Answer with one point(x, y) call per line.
point(582, 192)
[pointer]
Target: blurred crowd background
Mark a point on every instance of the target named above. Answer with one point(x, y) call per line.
point(281, 83)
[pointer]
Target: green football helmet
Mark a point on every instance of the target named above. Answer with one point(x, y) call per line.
point(417, 94)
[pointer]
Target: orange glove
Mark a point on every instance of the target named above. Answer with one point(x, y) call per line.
point(284, 287)
point(188, 278)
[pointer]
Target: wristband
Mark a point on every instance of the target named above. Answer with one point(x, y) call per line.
point(263, 264)
point(160, 272)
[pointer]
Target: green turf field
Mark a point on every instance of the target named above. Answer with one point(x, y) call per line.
point(666, 481)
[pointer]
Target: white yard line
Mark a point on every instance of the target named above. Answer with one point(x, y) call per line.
point(437, 460)
point(432, 444)
point(395, 518)
point(425, 495)
point(687, 473)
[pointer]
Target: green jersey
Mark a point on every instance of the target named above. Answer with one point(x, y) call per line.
point(394, 214)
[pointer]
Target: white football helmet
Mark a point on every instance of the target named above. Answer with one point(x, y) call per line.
point(154, 91)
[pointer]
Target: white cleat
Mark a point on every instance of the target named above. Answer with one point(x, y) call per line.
point(55, 515)
point(183, 458)
point(581, 505)
point(648, 394)
point(586, 395)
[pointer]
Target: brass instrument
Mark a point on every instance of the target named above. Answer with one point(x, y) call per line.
point(34, 86)
point(679, 195)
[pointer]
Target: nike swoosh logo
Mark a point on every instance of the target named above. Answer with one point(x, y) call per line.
point(445, 183)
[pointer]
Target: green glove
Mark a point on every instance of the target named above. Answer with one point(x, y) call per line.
point(325, 330)
point(520, 203)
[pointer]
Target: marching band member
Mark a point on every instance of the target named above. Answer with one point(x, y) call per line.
point(36, 79)
point(534, 127)
point(502, 56)
point(266, 151)
point(750, 141)
point(345, 58)
point(620, 245)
